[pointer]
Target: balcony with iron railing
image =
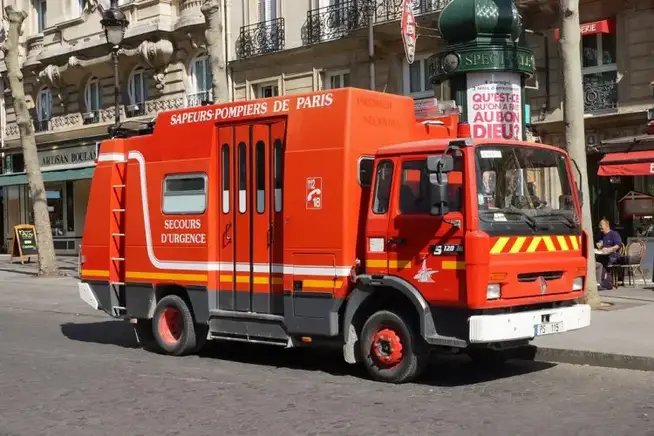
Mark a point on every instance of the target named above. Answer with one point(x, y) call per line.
point(600, 92)
point(261, 38)
point(338, 20)
point(199, 98)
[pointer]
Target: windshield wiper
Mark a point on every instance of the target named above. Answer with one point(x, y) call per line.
point(530, 220)
point(569, 221)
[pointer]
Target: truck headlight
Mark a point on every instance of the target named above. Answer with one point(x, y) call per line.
point(493, 291)
point(578, 284)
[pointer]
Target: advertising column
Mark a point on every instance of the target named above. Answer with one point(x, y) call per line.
point(486, 61)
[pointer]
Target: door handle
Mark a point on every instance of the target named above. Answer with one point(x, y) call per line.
point(226, 238)
point(396, 241)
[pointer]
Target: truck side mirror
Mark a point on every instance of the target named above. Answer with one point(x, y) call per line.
point(438, 193)
point(440, 164)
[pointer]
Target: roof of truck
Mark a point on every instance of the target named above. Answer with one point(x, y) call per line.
point(429, 145)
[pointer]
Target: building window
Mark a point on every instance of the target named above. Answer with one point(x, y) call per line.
point(80, 6)
point(416, 78)
point(267, 90)
point(600, 72)
point(44, 105)
point(200, 80)
point(41, 10)
point(337, 79)
point(267, 10)
point(137, 88)
point(185, 194)
point(383, 187)
point(93, 96)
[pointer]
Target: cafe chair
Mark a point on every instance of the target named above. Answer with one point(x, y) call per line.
point(633, 257)
point(616, 268)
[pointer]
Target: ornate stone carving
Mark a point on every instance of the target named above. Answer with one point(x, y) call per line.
point(157, 56)
point(153, 107)
point(90, 6)
point(66, 121)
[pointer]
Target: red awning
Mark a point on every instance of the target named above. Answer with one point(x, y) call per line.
point(592, 27)
point(634, 163)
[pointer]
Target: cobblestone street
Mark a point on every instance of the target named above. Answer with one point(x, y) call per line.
point(65, 370)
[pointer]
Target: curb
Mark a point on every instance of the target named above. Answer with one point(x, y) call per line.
point(593, 358)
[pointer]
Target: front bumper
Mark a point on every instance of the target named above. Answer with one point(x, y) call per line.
point(87, 295)
point(527, 325)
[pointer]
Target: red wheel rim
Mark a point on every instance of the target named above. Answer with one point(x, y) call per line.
point(170, 325)
point(387, 347)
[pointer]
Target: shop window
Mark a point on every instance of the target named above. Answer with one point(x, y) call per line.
point(185, 194)
point(600, 72)
point(70, 207)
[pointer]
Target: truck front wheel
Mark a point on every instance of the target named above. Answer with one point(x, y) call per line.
point(391, 350)
point(174, 327)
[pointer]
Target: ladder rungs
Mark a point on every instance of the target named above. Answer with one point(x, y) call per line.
point(119, 186)
point(118, 210)
point(121, 259)
point(117, 234)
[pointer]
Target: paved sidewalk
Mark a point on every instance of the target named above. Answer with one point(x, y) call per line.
point(67, 265)
point(620, 334)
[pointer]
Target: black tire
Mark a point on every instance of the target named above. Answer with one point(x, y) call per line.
point(177, 340)
point(414, 355)
point(145, 336)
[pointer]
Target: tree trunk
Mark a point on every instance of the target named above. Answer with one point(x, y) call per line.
point(215, 46)
point(573, 116)
point(47, 259)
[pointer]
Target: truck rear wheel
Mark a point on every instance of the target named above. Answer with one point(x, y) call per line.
point(392, 351)
point(173, 326)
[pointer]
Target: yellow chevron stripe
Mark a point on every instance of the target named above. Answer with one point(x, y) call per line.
point(534, 244)
point(562, 243)
point(575, 242)
point(453, 265)
point(499, 245)
point(517, 245)
point(549, 243)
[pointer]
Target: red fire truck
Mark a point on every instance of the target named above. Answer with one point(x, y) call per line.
point(333, 217)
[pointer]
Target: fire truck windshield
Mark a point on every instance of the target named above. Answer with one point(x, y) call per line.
point(524, 189)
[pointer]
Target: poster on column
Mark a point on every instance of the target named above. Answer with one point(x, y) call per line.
point(495, 105)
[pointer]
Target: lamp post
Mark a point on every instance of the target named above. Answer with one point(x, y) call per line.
point(114, 23)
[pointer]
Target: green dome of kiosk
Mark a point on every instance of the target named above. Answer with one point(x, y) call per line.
point(464, 21)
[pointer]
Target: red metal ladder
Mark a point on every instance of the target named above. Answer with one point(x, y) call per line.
point(117, 236)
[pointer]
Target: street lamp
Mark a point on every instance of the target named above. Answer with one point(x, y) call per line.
point(114, 23)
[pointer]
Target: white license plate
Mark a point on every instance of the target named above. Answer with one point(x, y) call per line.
point(548, 328)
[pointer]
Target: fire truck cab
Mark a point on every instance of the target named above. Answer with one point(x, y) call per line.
point(334, 217)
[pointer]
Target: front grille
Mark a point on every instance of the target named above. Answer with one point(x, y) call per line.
point(547, 275)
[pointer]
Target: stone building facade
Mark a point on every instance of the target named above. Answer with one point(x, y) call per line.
point(69, 82)
point(276, 47)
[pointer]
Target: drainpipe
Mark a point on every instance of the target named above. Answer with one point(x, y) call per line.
point(371, 43)
point(227, 4)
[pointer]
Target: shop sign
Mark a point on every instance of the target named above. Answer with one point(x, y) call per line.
point(72, 156)
point(495, 105)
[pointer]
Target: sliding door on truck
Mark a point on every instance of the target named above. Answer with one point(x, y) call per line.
point(251, 226)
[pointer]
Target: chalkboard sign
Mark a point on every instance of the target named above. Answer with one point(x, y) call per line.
point(24, 242)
